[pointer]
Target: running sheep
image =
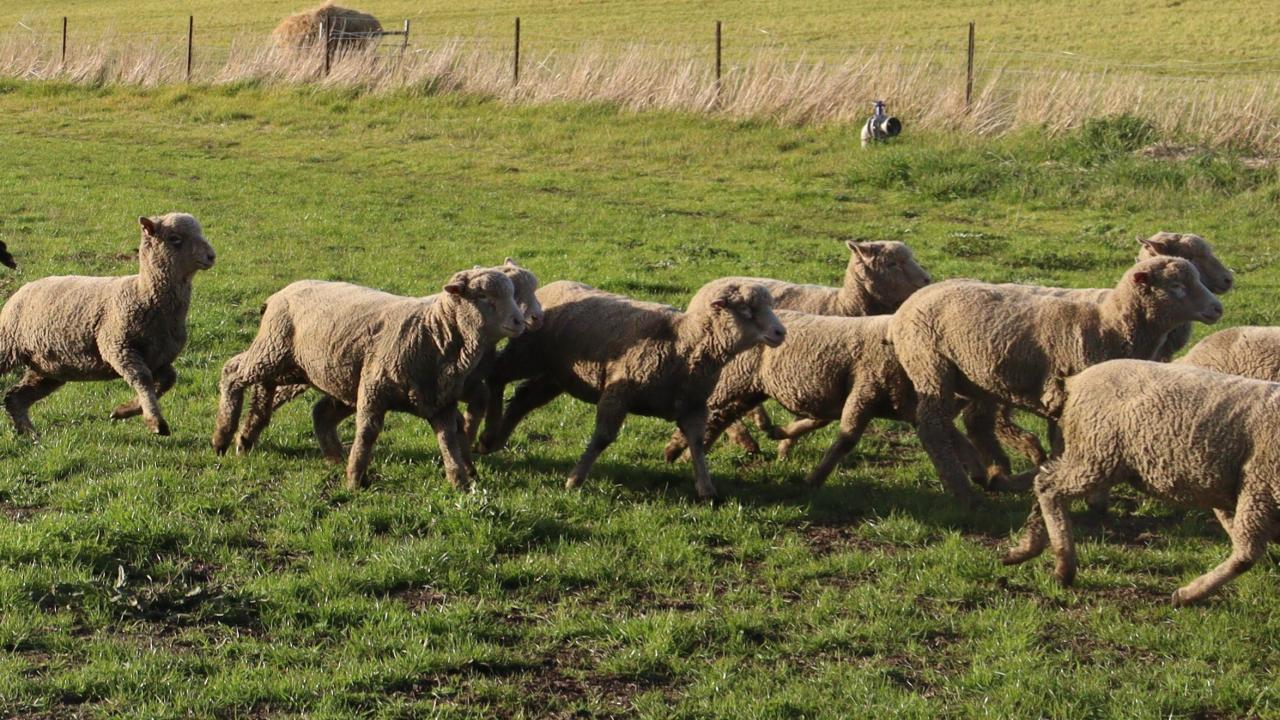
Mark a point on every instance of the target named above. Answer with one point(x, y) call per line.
point(1179, 433)
point(369, 352)
point(627, 356)
point(73, 328)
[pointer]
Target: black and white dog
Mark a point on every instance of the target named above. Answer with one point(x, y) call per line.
point(880, 126)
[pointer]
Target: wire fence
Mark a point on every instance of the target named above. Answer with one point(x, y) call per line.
point(741, 75)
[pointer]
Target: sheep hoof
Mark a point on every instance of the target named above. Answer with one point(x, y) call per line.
point(784, 449)
point(1066, 576)
point(354, 484)
point(159, 427)
point(713, 500)
point(573, 482)
point(1180, 599)
point(219, 448)
point(124, 412)
point(1018, 555)
point(242, 447)
point(672, 452)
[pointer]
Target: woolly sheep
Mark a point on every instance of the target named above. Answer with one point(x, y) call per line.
point(878, 278)
point(370, 352)
point(830, 368)
point(74, 328)
point(1213, 274)
point(627, 356)
point(347, 29)
point(1179, 433)
point(1253, 352)
point(476, 393)
point(1000, 345)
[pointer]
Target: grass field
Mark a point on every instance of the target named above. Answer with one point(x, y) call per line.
point(1161, 36)
point(144, 577)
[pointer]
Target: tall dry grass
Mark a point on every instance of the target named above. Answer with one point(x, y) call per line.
point(771, 84)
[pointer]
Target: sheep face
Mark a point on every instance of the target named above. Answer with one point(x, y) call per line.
point(1213, 273)
point(888, 271)
point(746, 310)
point(526, 285)
point(490, 295)
point(175, 243)
point(1172, 286)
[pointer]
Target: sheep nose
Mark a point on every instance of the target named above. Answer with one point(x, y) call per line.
point(533, 322)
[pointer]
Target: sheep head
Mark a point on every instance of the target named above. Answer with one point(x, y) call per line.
point(742, 310)
point(1213, 273)
point(526, 285)
point(488, 295)
point(885, 271)
point(1170, 287)
point(175, 245)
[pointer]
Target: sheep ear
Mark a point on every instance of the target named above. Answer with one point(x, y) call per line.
point(1142, 278)
point(511, 262)
point(457, 284)
point(866, 251)
point(1155, 245)
point(148, 225)
point(719, 304)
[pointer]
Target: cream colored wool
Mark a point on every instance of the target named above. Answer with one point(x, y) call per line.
point(627, 356)
point(369, 352)
point(72, 328)
point(347, 29)
point(1179, 433)
point(1250, 351)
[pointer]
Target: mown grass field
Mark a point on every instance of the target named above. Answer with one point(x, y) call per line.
point(144, 577)
point(1161, 36)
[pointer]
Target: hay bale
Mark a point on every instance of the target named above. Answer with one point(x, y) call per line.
point(348, 29)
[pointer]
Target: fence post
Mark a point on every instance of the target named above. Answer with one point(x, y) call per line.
point(324, 37)
point(515, 64)
point(405, 45)
point(717, 57)
point(968, 84)
point(191, 30)
point(64, 39)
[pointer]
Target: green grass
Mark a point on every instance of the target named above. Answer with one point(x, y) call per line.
point(144, 577)
point(1174, 36)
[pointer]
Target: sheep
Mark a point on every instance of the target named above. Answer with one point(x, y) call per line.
point(1253, 352)
point(877, 279)
point(1177, 432)
point(346, 29)
point(370, 352)
point(830, 368)
point(73, 328)
point(475, 394)
point(627, 356)
point(1213, 274)
point(1000, 345)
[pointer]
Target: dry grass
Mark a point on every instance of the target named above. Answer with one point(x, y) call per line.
point(772, 85)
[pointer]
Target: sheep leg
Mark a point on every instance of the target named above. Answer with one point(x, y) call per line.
point(30, 389)
point(230, 401)
point(1226, 519)
point(529, 396)
point(1035, 538)
point(935, 415)
point(611, 411)
point(1055, 486)
point(1019, 438)
point(326, 414)
point(369, 419)
point(694, 426)
point(715, 421)
point(980, 426)
point(853, 421)
point(286, 393)
point(261, 407)
point(477, 404)
point(787, 436)
point(165, 376)
point(741, 437)
point(446, 424)
point(1251, 529)
point(130, 366)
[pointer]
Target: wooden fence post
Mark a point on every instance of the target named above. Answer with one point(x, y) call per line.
point(325, 31)
point(515, 63)
point(405, 45)
point(64, 39)
point(191, 31)
point(968, 84)
point(717, 57)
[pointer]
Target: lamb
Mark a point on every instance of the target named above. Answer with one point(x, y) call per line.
point(74, 328)
point(346, 29)
point(1253, 352)
point(878, 278)
point(1215, 276)
point(627, 356)
point(830, 368)
point(999, 345)
point(476, 393)
point(1179, 433)
point(370, 352)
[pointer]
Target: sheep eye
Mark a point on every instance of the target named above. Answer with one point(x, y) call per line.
point(747, 314)
point(175, 241)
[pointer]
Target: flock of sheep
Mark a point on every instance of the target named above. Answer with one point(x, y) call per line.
point(887, 343)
